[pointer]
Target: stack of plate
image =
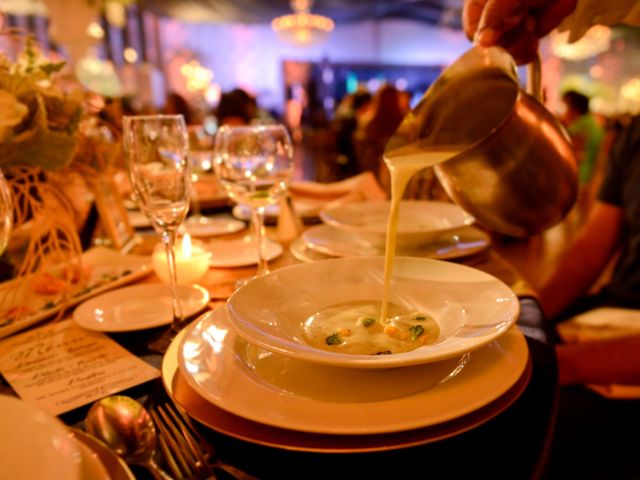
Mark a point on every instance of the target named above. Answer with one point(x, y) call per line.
point(244, 369)
point(426, 229)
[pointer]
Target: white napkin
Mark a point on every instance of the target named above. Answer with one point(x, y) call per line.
point(362, 187)
point(599, 324)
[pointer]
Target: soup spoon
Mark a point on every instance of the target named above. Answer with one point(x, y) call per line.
point(125, 425)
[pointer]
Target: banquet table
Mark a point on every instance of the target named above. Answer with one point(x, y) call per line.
point(512, 442)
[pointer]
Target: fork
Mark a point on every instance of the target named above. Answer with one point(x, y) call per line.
point(181, 446)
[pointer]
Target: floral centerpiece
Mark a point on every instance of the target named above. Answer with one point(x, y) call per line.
point(42, 147)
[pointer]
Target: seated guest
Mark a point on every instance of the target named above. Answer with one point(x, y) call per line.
point(236, 108)
point(347, 118)
point(175, 104)
point(374, 130)
point(586, 134)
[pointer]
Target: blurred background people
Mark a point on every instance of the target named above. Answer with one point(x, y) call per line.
point(348, 116)
point(374, 130)
point(585, 131)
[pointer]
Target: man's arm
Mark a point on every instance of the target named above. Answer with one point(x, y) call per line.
point(517, 25)
point(585, 260)
point(604, 362)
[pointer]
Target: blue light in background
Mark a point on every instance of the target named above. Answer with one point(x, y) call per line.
point(352, 82)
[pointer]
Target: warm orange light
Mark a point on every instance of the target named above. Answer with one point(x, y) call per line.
point(302, 27)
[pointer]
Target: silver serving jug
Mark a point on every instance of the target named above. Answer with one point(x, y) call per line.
point(517, 172)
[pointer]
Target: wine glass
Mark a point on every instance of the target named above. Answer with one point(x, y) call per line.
point(156, 147)
point(6, 213)
point(201, 162)
point(254, 164)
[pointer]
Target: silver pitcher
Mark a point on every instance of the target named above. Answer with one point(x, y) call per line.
point(517, 173)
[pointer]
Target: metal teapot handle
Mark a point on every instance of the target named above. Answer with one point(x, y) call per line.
point(534, 77)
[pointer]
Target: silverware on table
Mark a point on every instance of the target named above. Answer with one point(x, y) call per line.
point(185, 451)
point(124, 424)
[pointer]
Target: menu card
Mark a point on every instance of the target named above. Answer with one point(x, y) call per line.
point(61, 366)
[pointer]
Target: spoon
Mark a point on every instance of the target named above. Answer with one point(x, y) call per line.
point(125, 425)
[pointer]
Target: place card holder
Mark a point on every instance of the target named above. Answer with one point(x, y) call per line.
point(113, 219)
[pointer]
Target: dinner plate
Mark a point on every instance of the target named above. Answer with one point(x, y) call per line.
point(260, 434)
point(91, 467)
point(138, 307)
point(335, 242)
point(419, 221)
point(34, 444)
point(304, 253)
point(240, 252)
point(305, 208)
point(137, 219)
point(116, 468)
point(212, 226)
point(105, 269)
point(291, 394)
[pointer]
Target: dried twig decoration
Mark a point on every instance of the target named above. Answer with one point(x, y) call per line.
point(50, 265)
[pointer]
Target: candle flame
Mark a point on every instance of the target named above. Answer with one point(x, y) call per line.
point(186, 246)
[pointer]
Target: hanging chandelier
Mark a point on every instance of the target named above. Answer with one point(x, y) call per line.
point(302, 28)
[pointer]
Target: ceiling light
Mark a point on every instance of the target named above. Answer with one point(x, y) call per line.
point(302, 28)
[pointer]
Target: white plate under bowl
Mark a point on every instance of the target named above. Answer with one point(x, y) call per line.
point(239, 252)
point(419, 221)
point(337, 242)
point(138, 307)
point(288, 393)
point(305, 208)
point(34, 444)
point(471, 307)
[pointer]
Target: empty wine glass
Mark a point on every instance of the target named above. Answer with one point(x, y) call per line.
point(254, 164)
point(156, 147)
point(6, 213)
point(201, 162)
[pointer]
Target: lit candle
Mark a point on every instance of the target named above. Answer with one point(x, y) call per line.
point(192, 262)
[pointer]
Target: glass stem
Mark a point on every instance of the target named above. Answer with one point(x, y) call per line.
point(169, 240)
point(195, 199)
point(258, 228)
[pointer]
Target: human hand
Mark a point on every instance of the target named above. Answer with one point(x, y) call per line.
point(516, 25)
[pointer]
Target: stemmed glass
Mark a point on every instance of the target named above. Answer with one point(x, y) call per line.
point(156, 147)
point(201, 162)
point(254, 164)
point(6, 213)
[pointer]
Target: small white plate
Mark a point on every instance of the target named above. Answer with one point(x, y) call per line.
point(91, 467)
point(243, 212)
point(138, 307)
point(240, 252)
point(137, 219)
point(337, 242)
point(288, 393)
point(212, 226)
point(116, 468)
point(305, 208)
point(34, 444)
point(306, 254)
